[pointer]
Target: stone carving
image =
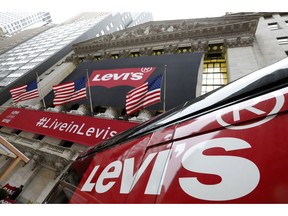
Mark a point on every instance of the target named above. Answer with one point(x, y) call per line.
point(170, 34)
point(37, 160)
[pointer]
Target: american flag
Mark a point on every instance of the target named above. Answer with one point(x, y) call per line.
point(145, 95)
point(68, 92)
point(25, 92)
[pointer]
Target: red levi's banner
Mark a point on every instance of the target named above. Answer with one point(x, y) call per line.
point(80, 129)
point(120, 77)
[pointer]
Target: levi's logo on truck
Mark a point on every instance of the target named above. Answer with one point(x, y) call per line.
point(263, 108)
point(120, 77)
point(234, 184)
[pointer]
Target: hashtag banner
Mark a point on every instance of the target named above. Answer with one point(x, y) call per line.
point(79, 129)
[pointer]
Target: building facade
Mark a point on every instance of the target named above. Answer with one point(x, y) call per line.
point(36, 55)
point(232, 45)
point(44, 56)
point(240, 43)
point(13, 22)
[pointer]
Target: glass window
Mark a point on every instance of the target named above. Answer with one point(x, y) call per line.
point(282, 40)
point(273, 26)
point(13, 68)
point(214, 73)
point(15, 75)
point(38, 59)
point(28, 66)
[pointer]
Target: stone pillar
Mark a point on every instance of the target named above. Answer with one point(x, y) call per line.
point(22, 173)
point(4, 163)
point(10, 167)
point(38, 185)
point(240, 61)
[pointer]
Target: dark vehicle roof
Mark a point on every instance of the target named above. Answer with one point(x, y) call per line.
point(257, 83)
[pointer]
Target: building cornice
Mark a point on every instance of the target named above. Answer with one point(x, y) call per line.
point(196, 33)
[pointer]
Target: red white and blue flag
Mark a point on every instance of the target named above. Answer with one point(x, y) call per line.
point(25, 92)
point(145, 95)
point(68, 92)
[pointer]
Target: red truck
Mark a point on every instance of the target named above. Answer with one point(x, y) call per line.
point(227, 146)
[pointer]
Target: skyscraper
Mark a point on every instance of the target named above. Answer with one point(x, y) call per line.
point(13, 22)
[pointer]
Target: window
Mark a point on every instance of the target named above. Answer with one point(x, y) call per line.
point(286, 52)
point(40, 137)
point(28, 66)
point(158, 52)
point(184, 49)
point(273, 26)
point(214, 75)
point(38, 59)
point(16, 132)
point(17, 75)
point(282, 40)
point(214, 69)
point(135, 54)
point(67, 144)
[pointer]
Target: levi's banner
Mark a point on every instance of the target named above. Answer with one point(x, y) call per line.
point(80, 129)
point(110, 80)
point(120, 77)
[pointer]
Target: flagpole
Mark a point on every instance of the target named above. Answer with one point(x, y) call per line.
point(89, 91)
point(164, 98)
point(40, 92)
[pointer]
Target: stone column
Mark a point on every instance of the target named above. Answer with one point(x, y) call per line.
point(10, 168)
